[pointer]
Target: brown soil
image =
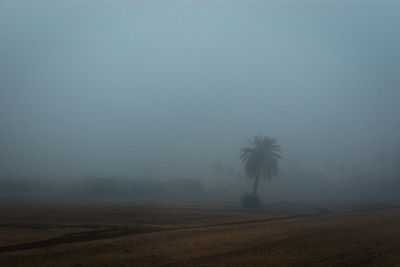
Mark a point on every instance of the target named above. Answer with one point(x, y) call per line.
point(327, 235)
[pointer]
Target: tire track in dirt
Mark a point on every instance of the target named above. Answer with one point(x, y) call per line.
point(48, 226)
point(118, 231)
point(104, 233)
point(214, 258)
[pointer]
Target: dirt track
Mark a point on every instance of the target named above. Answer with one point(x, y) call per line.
point(324, 236)
point(117, 231)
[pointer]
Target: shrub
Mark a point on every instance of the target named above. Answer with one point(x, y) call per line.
point(251, 201)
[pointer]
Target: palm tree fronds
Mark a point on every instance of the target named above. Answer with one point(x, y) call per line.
point(261, 157)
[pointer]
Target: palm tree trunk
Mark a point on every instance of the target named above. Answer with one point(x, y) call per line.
point(255, 185)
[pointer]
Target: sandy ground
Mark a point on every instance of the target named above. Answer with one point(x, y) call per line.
point(198, 234)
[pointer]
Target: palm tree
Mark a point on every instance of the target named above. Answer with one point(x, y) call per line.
point(261, 158)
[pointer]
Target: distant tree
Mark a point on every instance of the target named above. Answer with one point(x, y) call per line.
point(261, 158)
point(229, 170)
point(218, 168)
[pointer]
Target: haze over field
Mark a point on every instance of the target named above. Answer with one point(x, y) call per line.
point(171, 89)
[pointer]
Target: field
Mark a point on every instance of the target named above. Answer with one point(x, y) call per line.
point(127, 234)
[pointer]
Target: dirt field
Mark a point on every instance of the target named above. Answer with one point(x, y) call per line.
point(198, 234)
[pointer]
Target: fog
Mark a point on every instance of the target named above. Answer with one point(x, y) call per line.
point(166, 92)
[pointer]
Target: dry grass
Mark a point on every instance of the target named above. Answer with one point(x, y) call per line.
point(77, 235)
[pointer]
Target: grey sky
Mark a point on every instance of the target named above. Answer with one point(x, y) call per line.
point(104, 88)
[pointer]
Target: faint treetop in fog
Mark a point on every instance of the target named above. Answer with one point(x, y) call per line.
point(218, 168)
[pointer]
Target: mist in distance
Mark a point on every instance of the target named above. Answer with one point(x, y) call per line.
point(153, 100)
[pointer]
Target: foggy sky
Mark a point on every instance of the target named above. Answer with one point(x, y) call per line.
point(113, 88)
